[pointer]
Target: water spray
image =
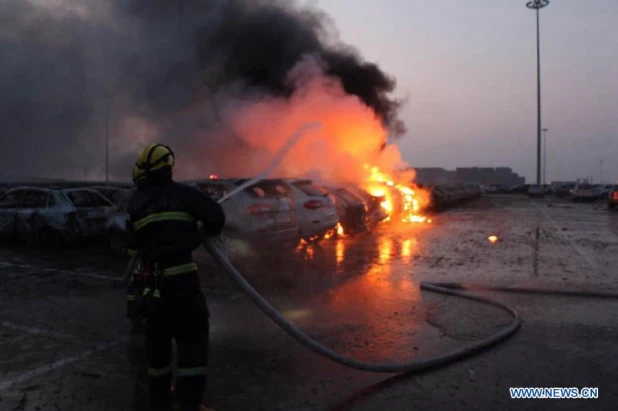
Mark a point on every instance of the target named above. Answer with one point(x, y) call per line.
point(277, 160)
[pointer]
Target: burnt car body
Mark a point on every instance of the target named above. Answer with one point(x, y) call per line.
point(34, 214)
point(373, 205)
point(351, 210)
point(117, 195)
point(115, 232)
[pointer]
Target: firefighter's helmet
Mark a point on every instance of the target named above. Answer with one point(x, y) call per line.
point(154, 158)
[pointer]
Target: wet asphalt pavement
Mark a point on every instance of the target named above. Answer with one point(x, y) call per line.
point(65, 344)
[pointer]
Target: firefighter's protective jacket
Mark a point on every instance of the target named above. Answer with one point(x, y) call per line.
point(162, 221)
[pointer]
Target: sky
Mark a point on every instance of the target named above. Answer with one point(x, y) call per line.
point(467, 70)
point(192, 74)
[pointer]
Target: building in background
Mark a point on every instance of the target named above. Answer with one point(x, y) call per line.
point(502, 176)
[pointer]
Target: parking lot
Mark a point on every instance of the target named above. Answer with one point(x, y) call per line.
point(66, 344)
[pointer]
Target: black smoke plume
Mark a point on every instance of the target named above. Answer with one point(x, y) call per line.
point(171, 62)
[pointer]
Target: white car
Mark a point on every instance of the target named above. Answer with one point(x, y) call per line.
point(262, 215)
point(315, 209)
point(36, 214)
point(583, 192)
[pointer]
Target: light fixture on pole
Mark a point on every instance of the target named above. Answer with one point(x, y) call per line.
point(538, 5)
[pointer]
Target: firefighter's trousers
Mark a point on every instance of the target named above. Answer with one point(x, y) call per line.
point(178, 312)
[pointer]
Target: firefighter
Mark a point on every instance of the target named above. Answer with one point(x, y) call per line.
point(162, 218)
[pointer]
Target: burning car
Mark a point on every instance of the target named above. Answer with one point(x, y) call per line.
point(402, 201)
point(351, 210)
point(376, 213)
point(33, 214)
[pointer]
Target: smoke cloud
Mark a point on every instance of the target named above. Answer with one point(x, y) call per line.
point(224, 82)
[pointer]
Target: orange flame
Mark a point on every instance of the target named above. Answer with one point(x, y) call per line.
point(351, 147)
point(400, 201)
point(338, 230)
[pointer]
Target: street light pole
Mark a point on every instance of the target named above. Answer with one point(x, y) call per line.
point(537, 5)
point(545, 155)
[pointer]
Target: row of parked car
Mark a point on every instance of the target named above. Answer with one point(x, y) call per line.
point(578, 192)
point(272, 211)
point(283, 211)
point(33, 214)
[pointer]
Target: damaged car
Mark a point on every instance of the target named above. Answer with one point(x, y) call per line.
point(315, 208)
point(351, 210)
point(117, 195)
point(52, 216)
point(376, 213)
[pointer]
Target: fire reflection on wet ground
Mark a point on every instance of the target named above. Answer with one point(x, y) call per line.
point(359, 288)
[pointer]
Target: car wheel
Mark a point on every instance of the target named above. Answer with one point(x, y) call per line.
point(610, 206)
